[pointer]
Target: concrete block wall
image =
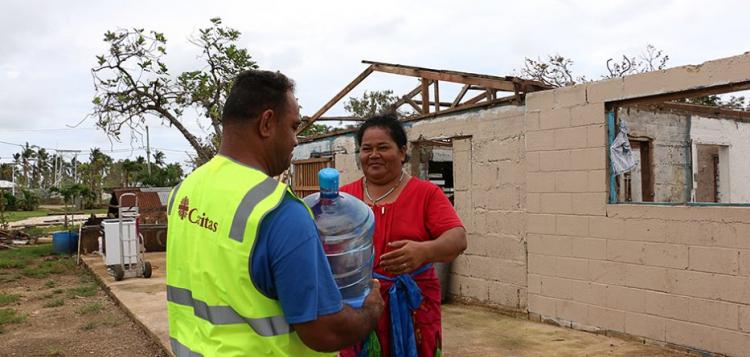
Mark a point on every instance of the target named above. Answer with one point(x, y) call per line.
point(671, 274)
point(490, 183)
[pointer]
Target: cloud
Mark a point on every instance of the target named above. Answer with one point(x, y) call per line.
point(48, 47)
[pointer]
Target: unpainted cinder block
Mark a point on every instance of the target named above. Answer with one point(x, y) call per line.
point(554, 118)
point(557, 203)
point(569, 96)
point(645, 325)
point(587, 114)
point(571, 138)
point(541, 223)
point(542, 305)
point(572, 225)
point(540, 140)
point(714, 260)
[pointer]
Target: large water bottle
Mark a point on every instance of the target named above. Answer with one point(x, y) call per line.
point(346, 225)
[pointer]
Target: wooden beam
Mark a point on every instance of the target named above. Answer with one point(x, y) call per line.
point(490, 94)
point(436, 87)
point(341, 118)
point(474, 100)
point(460, 95)
point(406, 97)
point(660, 98)
point(709, 111)
point(456, 77)
point(462, 107)
point(335, 99)
point(441, 104)
point(425, 96)
point(418, 109)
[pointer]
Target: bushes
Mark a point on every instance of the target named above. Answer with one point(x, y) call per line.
point(29, 201)
point(9, 201)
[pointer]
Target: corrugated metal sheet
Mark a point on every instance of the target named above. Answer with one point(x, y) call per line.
point(150, 205)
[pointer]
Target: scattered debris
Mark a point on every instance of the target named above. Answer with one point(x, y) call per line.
point(14, 237)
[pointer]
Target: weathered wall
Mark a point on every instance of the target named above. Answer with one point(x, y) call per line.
point(531, 187)
point(669, 135)
point(735, 135)
point(489, 170)
point(673, 274)
point(489, 183)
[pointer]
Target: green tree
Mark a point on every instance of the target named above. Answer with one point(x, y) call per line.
point(132, 82)
point(129, 168)
point(93, 173)
point(6, 172)
point(315, 129)
point(371, 103)
point(29, 200)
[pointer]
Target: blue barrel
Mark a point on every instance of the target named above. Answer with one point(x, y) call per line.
point(346, 226)
point(64, 242)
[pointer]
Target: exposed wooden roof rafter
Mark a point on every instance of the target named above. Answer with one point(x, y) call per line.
point(489, 85)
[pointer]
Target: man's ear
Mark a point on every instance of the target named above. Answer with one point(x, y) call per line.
point(266, 123)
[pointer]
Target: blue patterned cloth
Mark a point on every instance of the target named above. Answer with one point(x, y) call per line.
point(404, 297)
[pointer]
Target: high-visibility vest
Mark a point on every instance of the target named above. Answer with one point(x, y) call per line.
point(213, 305)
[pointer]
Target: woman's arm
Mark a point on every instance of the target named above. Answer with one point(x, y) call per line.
point(409, 255)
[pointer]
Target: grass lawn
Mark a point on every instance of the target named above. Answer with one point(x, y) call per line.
point(13, 216)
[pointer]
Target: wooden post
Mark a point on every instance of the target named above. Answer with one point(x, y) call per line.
point(425, 96)
point(437, 97)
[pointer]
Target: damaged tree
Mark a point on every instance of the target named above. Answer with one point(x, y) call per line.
point(132, 83)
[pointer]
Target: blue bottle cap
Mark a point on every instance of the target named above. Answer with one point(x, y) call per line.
point(329, 179)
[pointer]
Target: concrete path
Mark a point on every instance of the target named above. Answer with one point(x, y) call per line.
point(467, 330)
point(56, 219)
point(145, 300)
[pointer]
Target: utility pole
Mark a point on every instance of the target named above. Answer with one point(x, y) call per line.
point(148, 153)
point(13, 189)
point(75, 168)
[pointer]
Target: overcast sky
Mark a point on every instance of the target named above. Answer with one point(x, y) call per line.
point(48, 47)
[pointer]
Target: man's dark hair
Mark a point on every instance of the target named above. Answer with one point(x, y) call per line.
point(254, 91)
point(389, 122)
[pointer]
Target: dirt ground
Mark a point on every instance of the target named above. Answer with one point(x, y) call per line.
point(51, 307)
point(477, 331)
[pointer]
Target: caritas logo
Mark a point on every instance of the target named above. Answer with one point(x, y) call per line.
point(193, 217)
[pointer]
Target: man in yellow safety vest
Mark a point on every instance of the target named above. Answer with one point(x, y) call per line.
point(246, 272)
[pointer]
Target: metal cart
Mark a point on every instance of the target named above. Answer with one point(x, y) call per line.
point(124, 244)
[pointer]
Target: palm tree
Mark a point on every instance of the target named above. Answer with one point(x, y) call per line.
point(41, 169)
point(27, 154)
point(128, 168)
point(98, 166)
point(159, 158)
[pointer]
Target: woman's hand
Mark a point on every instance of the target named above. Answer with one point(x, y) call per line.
point(406, 256)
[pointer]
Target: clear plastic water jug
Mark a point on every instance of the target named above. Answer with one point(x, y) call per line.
point(346, 225)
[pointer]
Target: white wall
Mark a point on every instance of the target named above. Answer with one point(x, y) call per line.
point(735, 135)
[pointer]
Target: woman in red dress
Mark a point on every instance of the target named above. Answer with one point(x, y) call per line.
point(415, 226)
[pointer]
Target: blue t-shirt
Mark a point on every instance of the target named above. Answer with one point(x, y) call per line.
point(288, 264)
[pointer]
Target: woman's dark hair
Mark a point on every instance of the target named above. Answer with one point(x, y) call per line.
point(390, 123)
point(254, 91)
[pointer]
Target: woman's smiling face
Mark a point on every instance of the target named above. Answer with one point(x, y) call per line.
point(381, 158)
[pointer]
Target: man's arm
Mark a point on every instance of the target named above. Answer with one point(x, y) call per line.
point(289, 264)
point(345, 328)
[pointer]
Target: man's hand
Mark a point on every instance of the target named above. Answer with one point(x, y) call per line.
point(373, 300)
point(333, 332)
point(407, 256)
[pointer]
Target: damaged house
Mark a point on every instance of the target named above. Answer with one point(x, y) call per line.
point(660, 252)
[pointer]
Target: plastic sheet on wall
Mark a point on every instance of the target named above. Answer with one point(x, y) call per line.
point(620, 153)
